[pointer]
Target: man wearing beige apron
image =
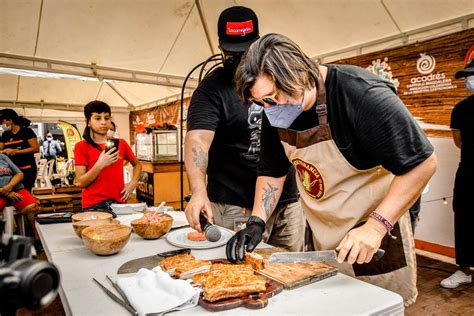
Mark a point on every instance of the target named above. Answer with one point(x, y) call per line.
point(360, 157)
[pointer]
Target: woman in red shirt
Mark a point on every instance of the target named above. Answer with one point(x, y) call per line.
point(98, 171)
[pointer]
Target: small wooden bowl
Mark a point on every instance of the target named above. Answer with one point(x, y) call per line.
point(106, 239)
point(90, 215)
point(149, 227)
point(81, 225)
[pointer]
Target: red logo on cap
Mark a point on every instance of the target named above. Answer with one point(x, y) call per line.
point(239, 28)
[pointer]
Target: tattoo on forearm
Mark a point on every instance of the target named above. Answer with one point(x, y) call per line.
point(200, 159)
point(269, 198)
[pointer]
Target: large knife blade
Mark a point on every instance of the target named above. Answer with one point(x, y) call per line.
point(312, 256)
point(149, 262)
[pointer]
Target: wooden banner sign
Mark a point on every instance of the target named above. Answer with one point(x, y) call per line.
point(156, 117)
point(424, 76)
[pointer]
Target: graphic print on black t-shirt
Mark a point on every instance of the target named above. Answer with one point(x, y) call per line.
point(255, 124)
point(19, 140)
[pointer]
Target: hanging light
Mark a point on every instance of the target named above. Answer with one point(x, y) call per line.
point(445, 201)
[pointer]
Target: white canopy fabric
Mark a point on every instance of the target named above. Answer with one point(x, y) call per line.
point(136, 53)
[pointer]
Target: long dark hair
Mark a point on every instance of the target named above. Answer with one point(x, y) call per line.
point(282, 60)
point(9, 114)
point(93, 107)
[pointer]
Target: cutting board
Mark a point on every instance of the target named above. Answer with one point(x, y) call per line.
point(251, 301)
point(293, 275)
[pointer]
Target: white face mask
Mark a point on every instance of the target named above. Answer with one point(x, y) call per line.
point(6, 127)
point(49, 138)
point(469, 83)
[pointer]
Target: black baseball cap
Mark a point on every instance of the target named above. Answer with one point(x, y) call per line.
point(237, 29)
point(467, 71)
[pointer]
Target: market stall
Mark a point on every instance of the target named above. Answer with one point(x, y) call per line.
point(158, 151)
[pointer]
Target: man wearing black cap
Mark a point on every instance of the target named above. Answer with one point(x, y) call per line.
point(463, 135)
point(223, 143)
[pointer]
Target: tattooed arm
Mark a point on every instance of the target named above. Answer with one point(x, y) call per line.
point(196, 150)
point(267, 194)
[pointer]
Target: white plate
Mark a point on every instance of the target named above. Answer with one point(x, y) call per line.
point(179, 238)
point(162, 209)
point(124, 209)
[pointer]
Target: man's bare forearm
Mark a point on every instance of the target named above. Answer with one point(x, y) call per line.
point(198, 170)
point(200, 159)
point(267, 194)
point(405, 189)
point(196, 152)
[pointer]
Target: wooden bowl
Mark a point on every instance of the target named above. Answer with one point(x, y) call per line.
point(150, 227)
point(106, 239)
point(81, 225)
point(90, 215)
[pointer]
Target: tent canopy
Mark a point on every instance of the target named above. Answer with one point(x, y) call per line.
point(134, 54)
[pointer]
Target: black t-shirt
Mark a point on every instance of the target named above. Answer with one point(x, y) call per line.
point(234, 152)
point(462, 119)
point(369, 123)
point(20, 141)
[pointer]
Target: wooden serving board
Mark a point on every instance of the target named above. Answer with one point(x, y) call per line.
point(251, 301)
point(293, 275)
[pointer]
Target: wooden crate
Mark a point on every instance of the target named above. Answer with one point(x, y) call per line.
point(68, 190)
point(56, 207)
point(41, 191)
point(55, 202)
point(62, 199)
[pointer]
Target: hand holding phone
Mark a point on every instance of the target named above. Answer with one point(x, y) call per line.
point(111, 143)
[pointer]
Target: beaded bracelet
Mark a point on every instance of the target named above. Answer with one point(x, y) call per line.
point(385, 222)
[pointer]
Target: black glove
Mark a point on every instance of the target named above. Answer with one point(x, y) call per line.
point(250, 236)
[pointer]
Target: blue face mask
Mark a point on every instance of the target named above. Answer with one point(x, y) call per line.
point(6, 127)
point(469, 83)
point(283, 115)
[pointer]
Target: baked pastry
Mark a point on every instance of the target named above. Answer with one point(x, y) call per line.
point(222, 269)
point(200, 278)
point(219, 286)
point(254, 259)
point(170, 263)
point(236, 268)
point(189, 268)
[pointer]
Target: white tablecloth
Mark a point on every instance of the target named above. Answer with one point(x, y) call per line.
point(338, 295)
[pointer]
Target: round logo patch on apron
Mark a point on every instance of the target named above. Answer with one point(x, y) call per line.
point(310, 178)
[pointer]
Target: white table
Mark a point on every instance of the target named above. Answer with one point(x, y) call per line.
point(338, 295)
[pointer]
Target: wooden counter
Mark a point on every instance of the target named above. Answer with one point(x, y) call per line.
point(162, 183)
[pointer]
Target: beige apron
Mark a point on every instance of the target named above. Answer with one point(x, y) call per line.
point(337, 197)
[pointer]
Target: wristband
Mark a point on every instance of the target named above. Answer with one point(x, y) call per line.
point(385, 222)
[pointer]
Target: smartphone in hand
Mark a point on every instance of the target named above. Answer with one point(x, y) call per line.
point(111, 143)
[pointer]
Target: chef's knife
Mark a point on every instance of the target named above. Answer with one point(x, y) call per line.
point(149, 262)
point(314, 256)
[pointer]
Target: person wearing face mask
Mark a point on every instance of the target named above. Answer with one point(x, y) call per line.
point(51, 148)
point(361, 159)
point(19, 142)
point(98, 170)
point(462, 118)
point(223, 144)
